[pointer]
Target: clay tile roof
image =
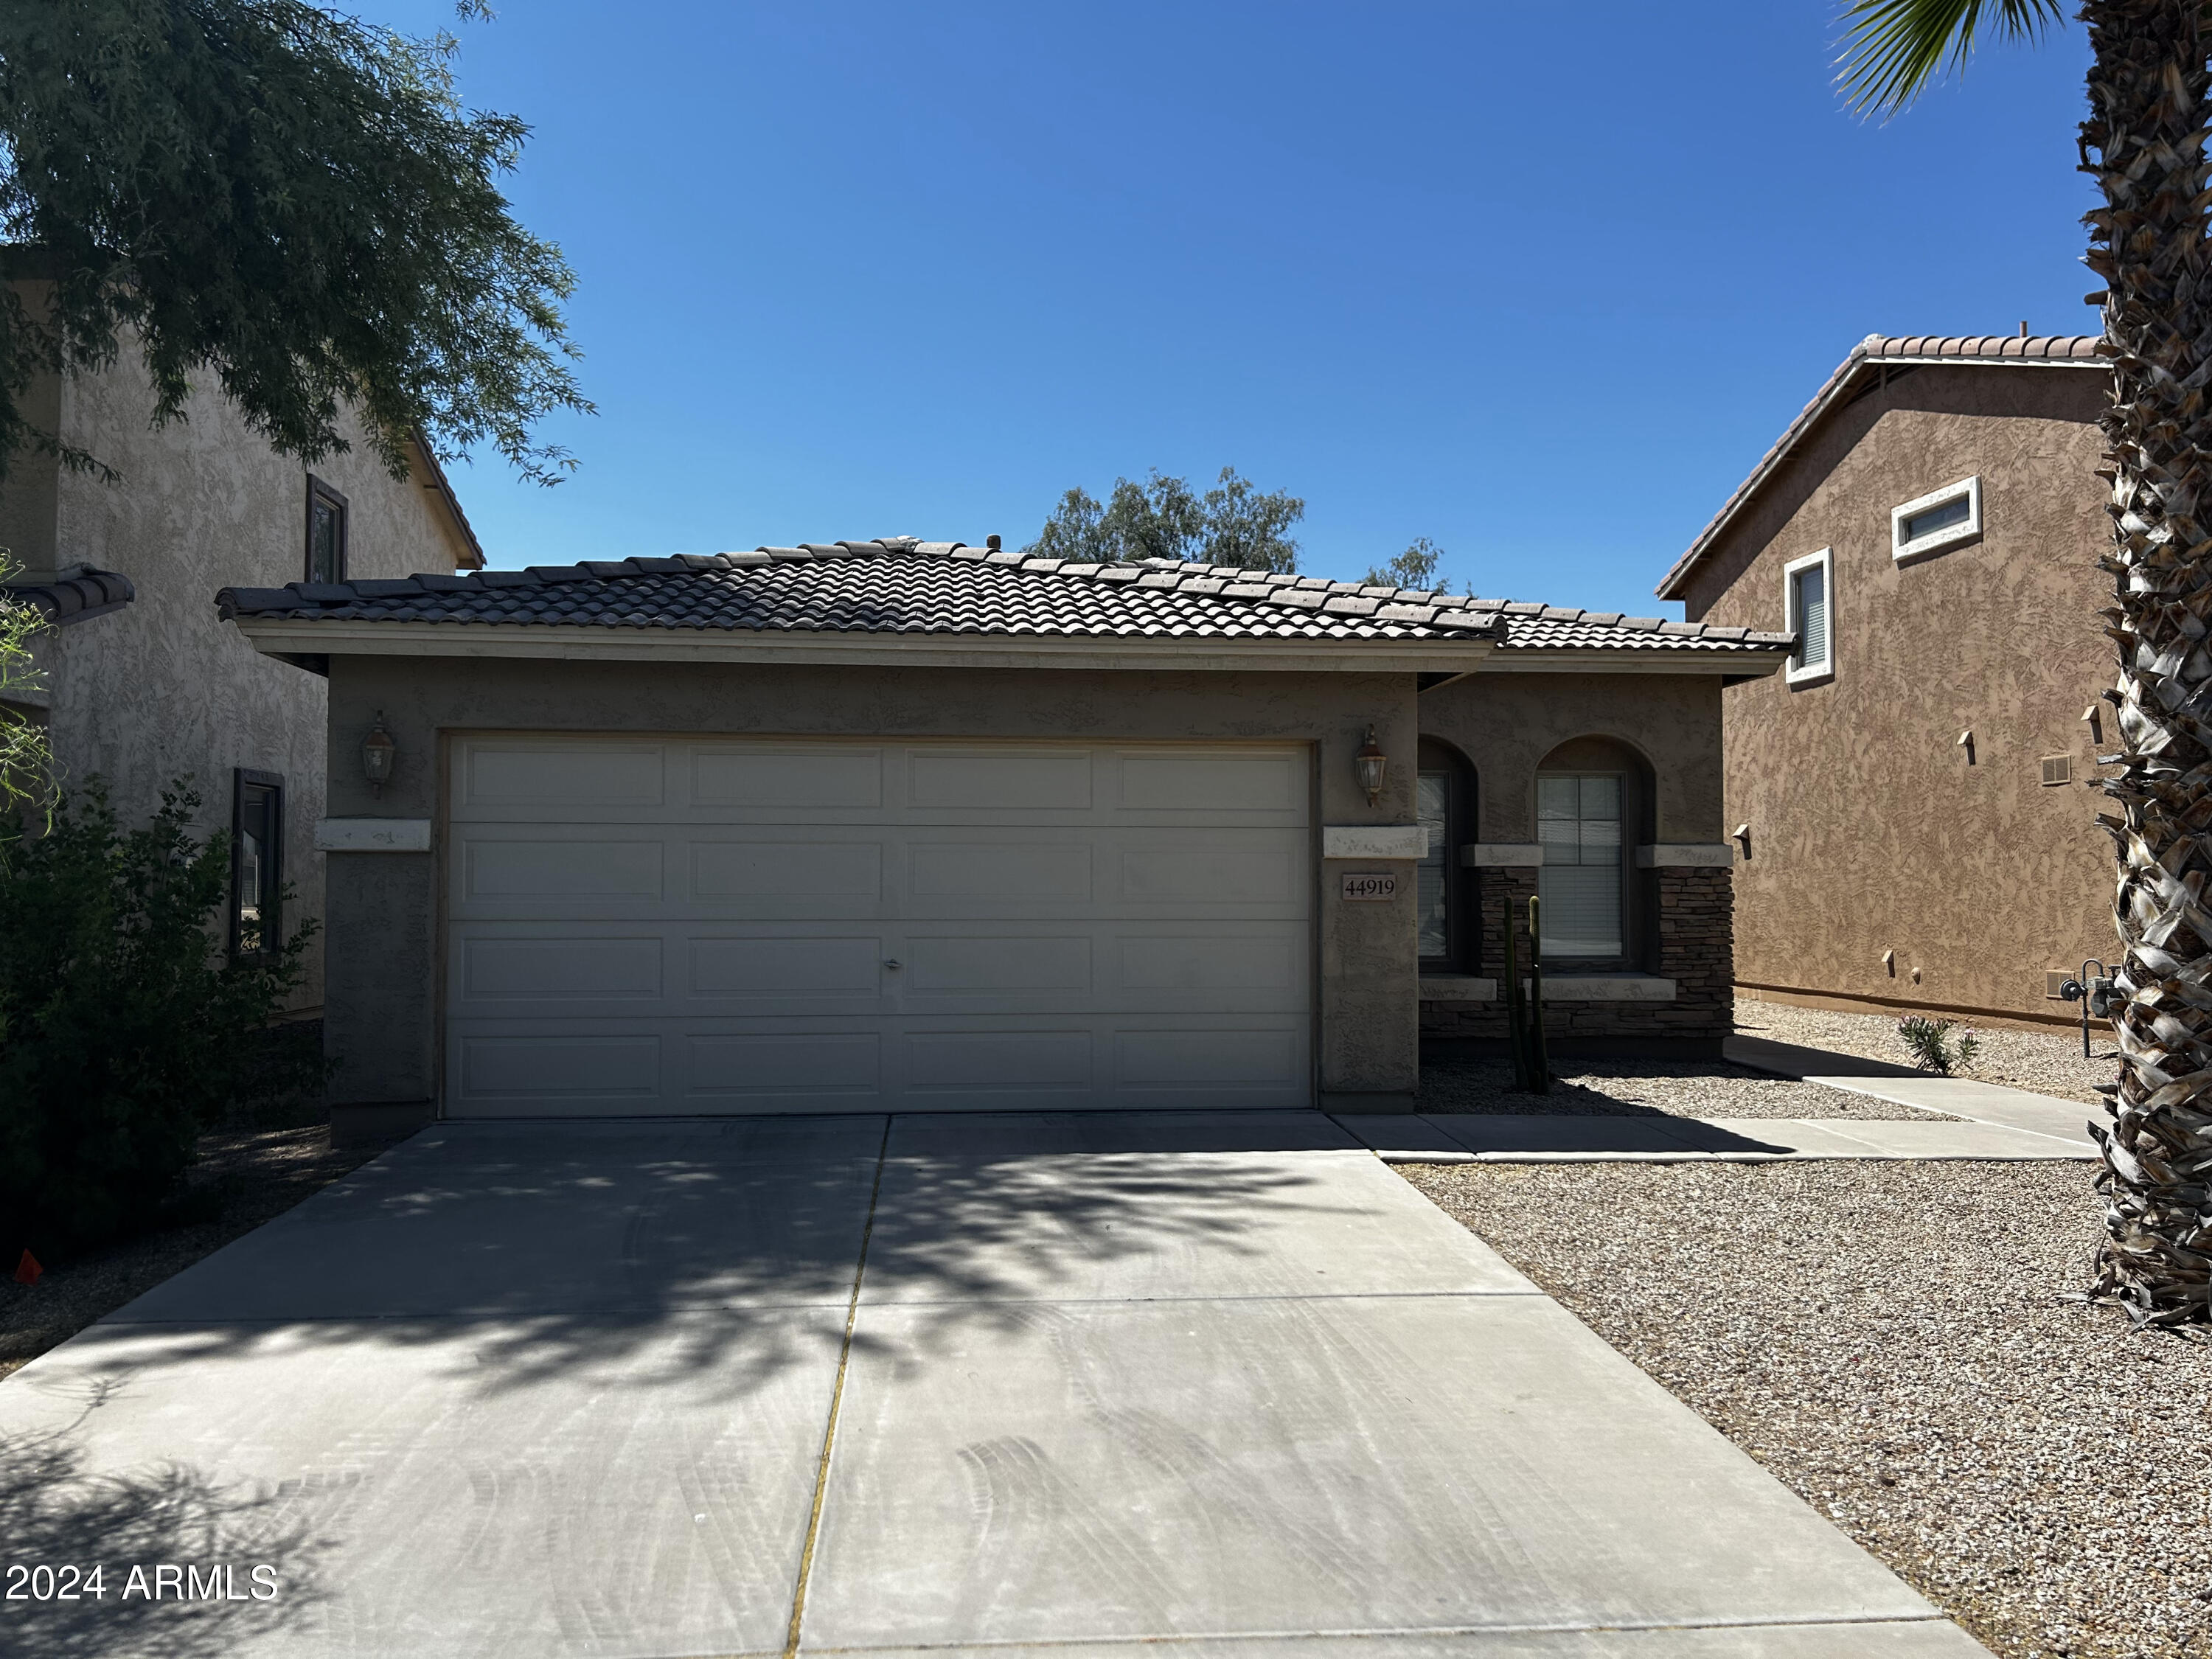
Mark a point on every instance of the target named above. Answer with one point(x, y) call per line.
point(1869, 357)
point(903, 586)
point(76, 598)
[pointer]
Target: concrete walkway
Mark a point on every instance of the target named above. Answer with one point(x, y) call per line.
point(1979, 1103)
point(1656, 1138)
point(1208, 1383)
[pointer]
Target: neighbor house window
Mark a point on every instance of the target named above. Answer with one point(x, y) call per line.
point(1942, 518)
point(1808, 590)
point(1581, 883)
point(256, 863)
point(326, 533)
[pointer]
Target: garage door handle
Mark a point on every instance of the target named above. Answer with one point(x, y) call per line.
point(891, 961)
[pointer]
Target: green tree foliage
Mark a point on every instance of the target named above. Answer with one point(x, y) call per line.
point(124, 1027)
point(285, 200)
point(1233, 523)
point(1416, 566)
point(1899, 47)
point(26, 767)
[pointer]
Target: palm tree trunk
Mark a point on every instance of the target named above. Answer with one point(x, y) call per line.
point(2144, 142)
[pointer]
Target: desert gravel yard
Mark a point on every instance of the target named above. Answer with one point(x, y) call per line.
point(1637, 1088)
point(1888, 1339)
point(2044, 1062)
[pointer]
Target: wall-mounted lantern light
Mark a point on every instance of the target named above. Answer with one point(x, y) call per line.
point(1742, 836)
point(378, 753)
point(1369, 766)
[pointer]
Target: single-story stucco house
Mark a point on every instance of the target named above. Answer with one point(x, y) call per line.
point(917, 825)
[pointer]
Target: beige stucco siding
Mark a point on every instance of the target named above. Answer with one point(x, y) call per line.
point(384, 928)
point(163, 688)
point(1871, 828)
point(1505, 724)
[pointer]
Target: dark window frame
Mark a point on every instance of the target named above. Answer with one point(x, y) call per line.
point(271, 923)
point(323, 494)
point(1462, 913)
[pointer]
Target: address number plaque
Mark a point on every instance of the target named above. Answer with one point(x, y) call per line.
point(1373, 888)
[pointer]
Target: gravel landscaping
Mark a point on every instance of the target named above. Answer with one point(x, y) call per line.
point(1642, 1088)
point(2046, 1062)
point(244, 1178)
point(1889, 1340)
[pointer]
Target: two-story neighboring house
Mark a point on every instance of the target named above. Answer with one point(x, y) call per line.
point(1914, 796)
point(144, 684)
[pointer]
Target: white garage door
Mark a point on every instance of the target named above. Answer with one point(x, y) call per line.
point(712, 926)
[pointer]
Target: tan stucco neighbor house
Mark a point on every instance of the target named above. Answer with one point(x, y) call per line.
point(918, 825)
point(1916, 789)
point(144, 684)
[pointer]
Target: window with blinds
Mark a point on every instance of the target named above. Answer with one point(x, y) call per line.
point(1809, 588)
point(1432, 875)
point(1578, 822)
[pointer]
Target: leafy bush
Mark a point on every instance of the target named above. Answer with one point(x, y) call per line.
point(126, 1027)
point(1933, 1048)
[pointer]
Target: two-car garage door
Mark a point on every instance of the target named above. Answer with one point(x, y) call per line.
point(740, 925)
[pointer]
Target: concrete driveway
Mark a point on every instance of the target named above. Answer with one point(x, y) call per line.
point(937, 1384)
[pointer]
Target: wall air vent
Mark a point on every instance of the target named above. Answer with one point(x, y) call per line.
point(2058, 768)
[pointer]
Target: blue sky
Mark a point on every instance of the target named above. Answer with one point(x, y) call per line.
point(1539, 282)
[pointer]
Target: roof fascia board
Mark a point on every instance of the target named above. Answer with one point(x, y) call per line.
point(1745, 662)
point(1845, 377)
point(287, 637)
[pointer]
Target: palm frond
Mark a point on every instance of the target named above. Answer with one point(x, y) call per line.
point(1896, 48)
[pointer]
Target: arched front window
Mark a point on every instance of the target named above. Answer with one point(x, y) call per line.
point(1593, 797)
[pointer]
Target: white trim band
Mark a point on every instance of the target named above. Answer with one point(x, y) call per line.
point(1374, 841)
point(1686, 855)
point(373, 835)
point(1500, 855)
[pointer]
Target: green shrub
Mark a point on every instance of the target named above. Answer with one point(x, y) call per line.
point(1931, 1045)
point(126, 1027)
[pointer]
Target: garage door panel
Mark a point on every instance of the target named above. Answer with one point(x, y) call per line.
point(561, 777)
point(542, 1066)
point(789, 966)
point(1216, 874)
point(1261, 1060)
point(1072, 926)
point(737, 1066)
point(566, 872)
point(993, 1061)
point(1257, 784)
point(999, 780)
point(788, 874)
point(1210, 962)
point(1001, 873)
point(836, 778)
point(996, 963)
point(559, 969)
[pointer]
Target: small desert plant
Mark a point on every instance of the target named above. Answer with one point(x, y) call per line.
point(125, 1027)
point(1933, 1048)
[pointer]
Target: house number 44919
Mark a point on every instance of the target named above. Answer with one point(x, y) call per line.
point(1371, 887)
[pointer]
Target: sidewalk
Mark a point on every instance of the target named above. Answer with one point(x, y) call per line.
point(1999, 1124)
point(1979, 1103)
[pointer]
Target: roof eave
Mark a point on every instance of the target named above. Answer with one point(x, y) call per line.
point(1847, 373)
point(1753, 662)
point(286, 637)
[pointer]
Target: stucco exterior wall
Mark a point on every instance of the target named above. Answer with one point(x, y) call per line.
point(384, 927)
point(1871, 829)
point(1506, 724)
point(163, 689)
